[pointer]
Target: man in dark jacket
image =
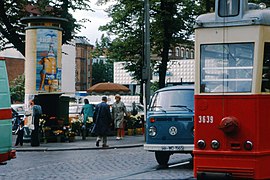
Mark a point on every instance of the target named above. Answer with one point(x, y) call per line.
point(102, 119)
point(37, 112)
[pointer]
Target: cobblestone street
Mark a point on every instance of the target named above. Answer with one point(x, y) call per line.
point(126, 163)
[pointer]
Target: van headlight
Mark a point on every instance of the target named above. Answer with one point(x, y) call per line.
point(152, 131)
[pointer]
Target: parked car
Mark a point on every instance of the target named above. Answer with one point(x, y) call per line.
point(170, 122)
point(135, 108)
point(75, 110)
point(18, 108)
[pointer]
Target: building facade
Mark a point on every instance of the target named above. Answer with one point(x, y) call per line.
point(180, 69)
point(83, 65)
point(14, 63)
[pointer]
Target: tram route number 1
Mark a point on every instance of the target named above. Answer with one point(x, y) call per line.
point(206, 119)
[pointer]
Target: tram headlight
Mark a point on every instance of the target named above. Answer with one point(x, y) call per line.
point(215, 144)
point(152, 131)
point(201, 144)
point(248, 145)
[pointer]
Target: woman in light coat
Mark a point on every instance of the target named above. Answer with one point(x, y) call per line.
point(118, 114)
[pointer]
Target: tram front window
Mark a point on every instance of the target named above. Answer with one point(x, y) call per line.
point(226, 67)
point(228, 8)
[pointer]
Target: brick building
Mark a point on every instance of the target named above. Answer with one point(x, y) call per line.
point(14, 63)
point(83, 69)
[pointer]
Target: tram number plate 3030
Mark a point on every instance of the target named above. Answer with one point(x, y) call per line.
point(172, 148)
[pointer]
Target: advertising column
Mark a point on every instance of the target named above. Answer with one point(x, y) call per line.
point(43, 66)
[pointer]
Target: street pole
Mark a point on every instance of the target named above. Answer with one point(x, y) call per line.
point(146, 67)
point(146, 61)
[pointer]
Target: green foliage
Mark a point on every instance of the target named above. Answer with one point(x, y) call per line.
point(171, 23)
point(127, 25)
point(101, 48)
point(154, 87)
point(102, 67)
point(267, 2)
point(102, 71)
point(209, 5)
point(17, 90)
point(12, 31)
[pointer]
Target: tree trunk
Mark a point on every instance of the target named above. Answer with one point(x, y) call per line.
point(167, 23)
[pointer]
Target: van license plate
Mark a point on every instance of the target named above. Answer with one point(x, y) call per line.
point(172, 148)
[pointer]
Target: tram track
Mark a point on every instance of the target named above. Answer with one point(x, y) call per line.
point(181, 164)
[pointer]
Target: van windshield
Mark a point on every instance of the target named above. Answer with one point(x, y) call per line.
point(173, 100)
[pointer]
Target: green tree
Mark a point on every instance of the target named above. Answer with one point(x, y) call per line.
point(102, 67)
point(171, 23)
point(12, 31)
point(17, 89)
point(101, 47)
point(209, 5)
point(102, 71)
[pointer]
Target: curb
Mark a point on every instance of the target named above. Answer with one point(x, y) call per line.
point(41, 149)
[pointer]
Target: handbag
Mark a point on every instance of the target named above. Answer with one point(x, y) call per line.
point(90, 119)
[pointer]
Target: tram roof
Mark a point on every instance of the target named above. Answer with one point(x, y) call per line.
point(249, 17)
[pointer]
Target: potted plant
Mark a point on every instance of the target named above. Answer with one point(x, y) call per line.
point(130, 126)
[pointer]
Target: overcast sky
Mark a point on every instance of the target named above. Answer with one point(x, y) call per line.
point(97, 18)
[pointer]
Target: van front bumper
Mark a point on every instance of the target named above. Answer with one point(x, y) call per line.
point(169, 147)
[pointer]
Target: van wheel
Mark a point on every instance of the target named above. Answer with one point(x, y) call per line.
point(162, 157)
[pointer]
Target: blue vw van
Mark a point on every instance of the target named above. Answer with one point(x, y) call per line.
point(170, 122)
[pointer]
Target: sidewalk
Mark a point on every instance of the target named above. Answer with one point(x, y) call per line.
point(88, 144)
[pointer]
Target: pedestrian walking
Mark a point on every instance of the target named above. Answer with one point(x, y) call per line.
point(87, 112)
point(19, 133)
point(102, 120)
point(118, 113)
point(37, 111)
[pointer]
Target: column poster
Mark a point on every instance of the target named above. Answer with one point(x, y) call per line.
point(48, 71)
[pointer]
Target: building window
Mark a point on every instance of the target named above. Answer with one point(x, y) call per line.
point(177, 51)
point(192, 54)
point(182, 52)
point(187, 53)
point(170, 52)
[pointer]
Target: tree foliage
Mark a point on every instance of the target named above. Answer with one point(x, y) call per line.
point(102, 71)
point(209, 5)
point(102, 67)
point(171, 23)
point(17, 89)
point(12, 31)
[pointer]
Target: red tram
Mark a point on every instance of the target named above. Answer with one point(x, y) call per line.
point(232, 92)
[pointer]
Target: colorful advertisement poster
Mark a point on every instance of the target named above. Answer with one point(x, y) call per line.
point(48, 73)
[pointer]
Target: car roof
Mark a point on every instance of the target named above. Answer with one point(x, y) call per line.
point(178, 87)
point(19, 108)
